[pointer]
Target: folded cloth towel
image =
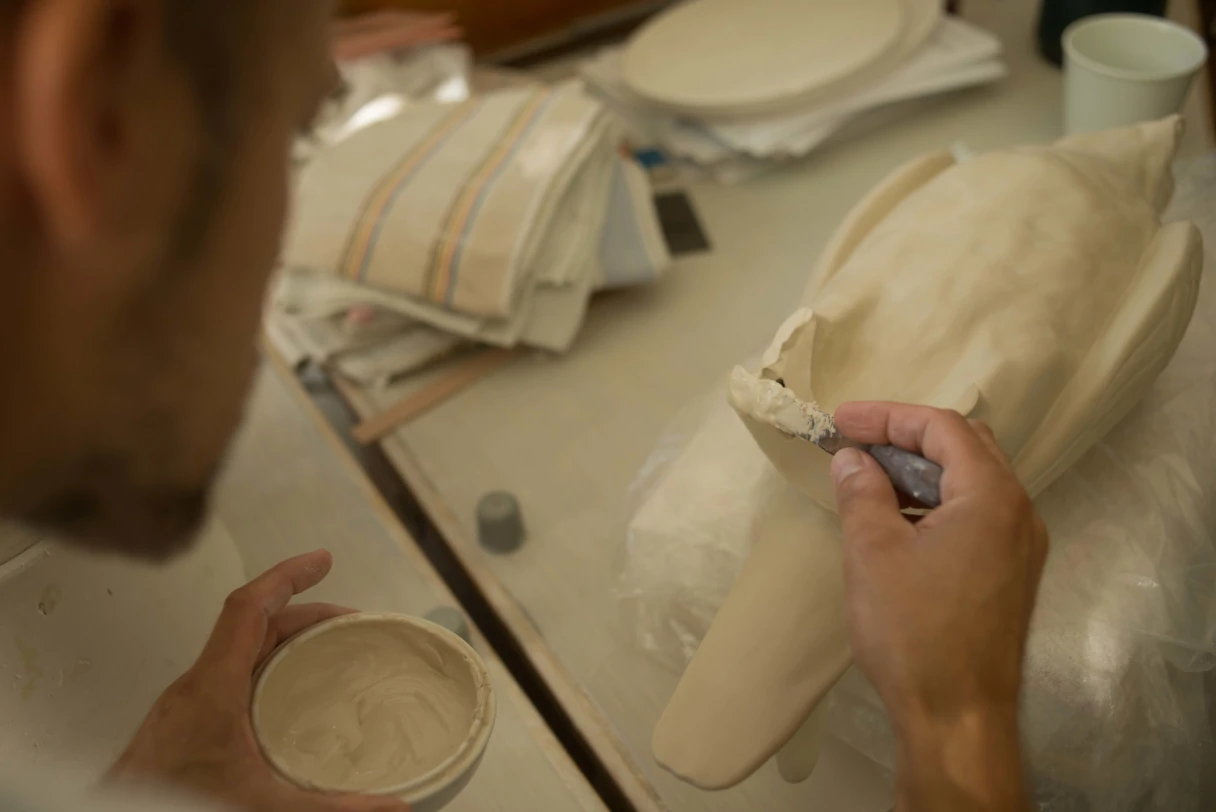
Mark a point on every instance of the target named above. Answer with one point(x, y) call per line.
point(492, 220)
point(368, 357)
point(446, 203)
point(633, 250)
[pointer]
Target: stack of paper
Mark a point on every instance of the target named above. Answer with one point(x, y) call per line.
point(957, 55)
point(491, 221)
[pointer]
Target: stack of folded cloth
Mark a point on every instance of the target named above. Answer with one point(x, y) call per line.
point(943, 55)
point(488, 221)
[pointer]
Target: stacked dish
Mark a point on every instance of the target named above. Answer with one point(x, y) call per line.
point(734, 88)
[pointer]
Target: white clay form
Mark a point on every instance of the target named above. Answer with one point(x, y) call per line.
point(773, 404)
point(375, 703)
point(1032, 288)
point(774, 650)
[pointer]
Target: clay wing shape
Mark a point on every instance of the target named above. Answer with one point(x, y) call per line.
point(1034, 288)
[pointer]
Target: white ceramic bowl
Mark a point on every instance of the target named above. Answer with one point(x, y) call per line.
point(435, 788)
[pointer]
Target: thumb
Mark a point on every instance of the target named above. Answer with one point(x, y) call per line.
point(865, 499)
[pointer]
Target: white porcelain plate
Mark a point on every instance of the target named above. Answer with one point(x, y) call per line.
point(727, 57)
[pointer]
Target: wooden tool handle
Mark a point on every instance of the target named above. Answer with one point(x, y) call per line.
point(911, 474)
point(464, 373)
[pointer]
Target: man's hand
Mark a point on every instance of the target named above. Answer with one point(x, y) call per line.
point(939, 610)
point(198, 735)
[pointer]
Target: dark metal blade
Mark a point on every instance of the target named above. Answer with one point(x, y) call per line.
point(833, 441)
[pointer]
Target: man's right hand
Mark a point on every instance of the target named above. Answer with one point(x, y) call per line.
point(939, 610)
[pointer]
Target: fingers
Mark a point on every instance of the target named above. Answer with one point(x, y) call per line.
point(272, 590)
point(236, 642)
point(942, 436)
point(273, 796)
point(362, 803)
point(865, 499)
point(290, 799)
point(295, 619)
point(984, 432)
point(939, 435)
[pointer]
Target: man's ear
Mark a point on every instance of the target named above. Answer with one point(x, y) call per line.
point(87, 74)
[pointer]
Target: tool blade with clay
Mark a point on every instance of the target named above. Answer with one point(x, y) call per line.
point(911, 474)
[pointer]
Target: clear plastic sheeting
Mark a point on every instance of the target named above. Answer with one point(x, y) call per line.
point(688, 540)
point(1120, 691)
point(380, 86)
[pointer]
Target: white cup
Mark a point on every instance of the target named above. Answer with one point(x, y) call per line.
point(1120, 69)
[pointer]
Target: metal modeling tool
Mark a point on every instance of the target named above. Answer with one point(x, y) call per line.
point(911, 474)
point(770, 401)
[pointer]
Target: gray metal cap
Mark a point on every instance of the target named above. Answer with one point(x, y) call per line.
point(500, 525)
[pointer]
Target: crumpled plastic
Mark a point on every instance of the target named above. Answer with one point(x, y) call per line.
point(379, 86)
point(1119, 700)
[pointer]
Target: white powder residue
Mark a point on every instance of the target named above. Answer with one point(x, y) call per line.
point(771, 403)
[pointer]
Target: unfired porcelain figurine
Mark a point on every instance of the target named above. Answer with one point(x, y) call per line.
point(1034, 289)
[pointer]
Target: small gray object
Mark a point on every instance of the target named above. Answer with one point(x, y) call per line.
point(500, 525)
point(450, 619)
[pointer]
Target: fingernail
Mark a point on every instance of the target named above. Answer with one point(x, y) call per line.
point(847, 462)
point(319, 566)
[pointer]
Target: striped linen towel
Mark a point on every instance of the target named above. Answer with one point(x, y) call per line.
point(446, 203)
point(492, 220)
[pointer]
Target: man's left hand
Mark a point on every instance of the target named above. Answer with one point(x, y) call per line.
point(199, 737)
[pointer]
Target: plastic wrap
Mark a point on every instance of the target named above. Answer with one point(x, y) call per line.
point(378, 86)
point(1117, 706)
point(688, 540)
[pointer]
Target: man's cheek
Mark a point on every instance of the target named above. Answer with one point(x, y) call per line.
point(261, 225)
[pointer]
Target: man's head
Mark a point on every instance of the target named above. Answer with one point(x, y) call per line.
point(143, 181)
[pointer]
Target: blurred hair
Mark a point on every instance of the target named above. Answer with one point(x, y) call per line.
point(208, 37)
point(209, 40)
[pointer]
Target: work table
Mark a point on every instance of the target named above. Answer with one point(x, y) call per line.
point(568, 435)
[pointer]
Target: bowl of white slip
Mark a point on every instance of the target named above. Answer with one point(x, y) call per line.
point(380, 704)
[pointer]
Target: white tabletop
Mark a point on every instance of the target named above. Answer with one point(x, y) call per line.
point(568, 435)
